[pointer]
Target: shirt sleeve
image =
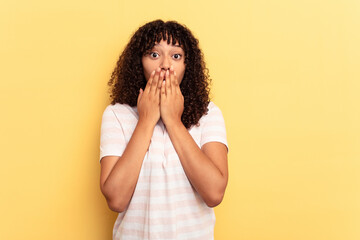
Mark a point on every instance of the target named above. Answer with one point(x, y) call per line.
point(112, 140)
point(213, 127)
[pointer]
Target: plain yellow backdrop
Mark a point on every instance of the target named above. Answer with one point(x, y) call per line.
point(285, 75)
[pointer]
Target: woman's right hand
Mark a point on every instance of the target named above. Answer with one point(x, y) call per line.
point(119, 175)
point(148, 103)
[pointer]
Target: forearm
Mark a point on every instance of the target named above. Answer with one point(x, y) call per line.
point(203, 174)
point(121, 182)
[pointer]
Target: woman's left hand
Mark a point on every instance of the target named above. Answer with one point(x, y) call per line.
point(172, 100)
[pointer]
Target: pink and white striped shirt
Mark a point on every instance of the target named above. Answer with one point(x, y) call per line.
point(164, 205)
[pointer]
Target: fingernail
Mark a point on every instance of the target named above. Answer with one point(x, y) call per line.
point(167, 72)
point(171, 68)
point(153, 72)
point(161, 74)
point(158, 69)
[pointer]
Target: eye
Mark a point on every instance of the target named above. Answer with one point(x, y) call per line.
point(177, 56)
point(154, 54)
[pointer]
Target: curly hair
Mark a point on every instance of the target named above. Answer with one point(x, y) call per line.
point(128, 75)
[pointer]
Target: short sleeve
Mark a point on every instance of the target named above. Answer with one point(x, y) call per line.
point(213, 129)
point(112, 140)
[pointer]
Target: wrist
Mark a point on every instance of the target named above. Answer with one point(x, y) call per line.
point(173, 123)
point(145, 125)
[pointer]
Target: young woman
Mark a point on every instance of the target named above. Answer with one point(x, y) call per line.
point(163, 147)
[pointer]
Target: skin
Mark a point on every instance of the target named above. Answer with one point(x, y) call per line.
point(206, 168)
point(164, 55)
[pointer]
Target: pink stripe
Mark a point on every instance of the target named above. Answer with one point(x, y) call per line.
point(213, 134)
point(142, 233)
point(163, 206)
point(170, 233)
point(196, 227)
point(105, 140)
point(157, 221)
point(121, 110)
point(156, 152)
point(214, 122)
point(160, 179)
point(111, 129)
point(112, 118)
point(112, 141)
point(163, 192)
point(126, 122)
point(157, 138)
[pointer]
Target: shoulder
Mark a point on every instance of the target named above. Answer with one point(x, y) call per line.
point(213, 114)
point(119, 108)
point(213, 110)
point(212, 106)
point(120, 112)
point(116, 106)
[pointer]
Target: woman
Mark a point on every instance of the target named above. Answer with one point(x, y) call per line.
point(163, 147)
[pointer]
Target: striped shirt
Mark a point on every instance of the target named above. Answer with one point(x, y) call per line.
point(164, 205)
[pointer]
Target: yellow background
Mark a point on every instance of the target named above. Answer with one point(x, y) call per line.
point(285, 75)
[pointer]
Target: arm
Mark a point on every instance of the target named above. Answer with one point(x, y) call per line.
point(206, 168)
point(119, 175)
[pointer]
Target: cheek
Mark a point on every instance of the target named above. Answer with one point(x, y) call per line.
point(147, 70)
point(180, 72)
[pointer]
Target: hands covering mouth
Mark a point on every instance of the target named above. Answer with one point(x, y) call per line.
point(161, 97)
point(164, 72)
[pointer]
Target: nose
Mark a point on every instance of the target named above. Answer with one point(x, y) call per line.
point(165, 64)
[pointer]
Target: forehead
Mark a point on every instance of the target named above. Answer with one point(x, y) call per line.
point(165, 44)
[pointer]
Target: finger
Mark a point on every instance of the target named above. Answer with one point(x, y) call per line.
point(140, 94)
point(153, 85)
point(154, 81)
point(177, 88)
point(173, 79)
point(159, 84)
point(163, 95)
point(160, 80)
point(167, 83)
point(148, 84)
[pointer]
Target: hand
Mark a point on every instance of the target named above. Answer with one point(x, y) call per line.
point(172, 100)
point(148, 103)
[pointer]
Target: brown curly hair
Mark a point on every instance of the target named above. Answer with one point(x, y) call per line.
point(128, 75)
